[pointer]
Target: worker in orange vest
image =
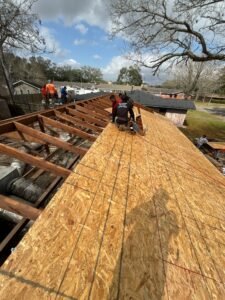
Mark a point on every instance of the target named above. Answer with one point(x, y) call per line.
point(52, 94)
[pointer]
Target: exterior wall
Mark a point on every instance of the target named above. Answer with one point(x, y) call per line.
point(176, 116)
point(29, 103)
point(26, 89)
point(180, 96)
point(4, 110)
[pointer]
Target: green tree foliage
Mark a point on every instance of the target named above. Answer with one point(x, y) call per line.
point(90, 74)
point(130, 76)
point(39, 70)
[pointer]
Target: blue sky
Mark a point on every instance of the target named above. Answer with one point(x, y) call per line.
point(79, 32)
point(88, 45)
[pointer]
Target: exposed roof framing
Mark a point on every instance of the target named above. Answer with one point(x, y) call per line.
point(14, 206)
point(82, 121)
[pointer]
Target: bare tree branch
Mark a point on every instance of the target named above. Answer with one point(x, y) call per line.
point(172, 30)
point(19, 29)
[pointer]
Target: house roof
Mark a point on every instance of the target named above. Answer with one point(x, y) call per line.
point(139, 217)
point(89, 95)
point(35, 85)
point(150, 100)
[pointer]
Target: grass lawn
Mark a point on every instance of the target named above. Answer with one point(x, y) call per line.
point(209, 105)
point(199, 122)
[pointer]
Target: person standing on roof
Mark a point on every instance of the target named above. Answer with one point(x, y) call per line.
point(44, 96)
point(122, 110)
point(51, 92)
point(115, 102)
point(44, 92)
point(201, 141)
point(64, 95)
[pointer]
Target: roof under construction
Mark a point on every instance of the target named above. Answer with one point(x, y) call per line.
point(140, 217)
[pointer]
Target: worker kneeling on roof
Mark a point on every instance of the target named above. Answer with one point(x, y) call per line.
point(121, 112)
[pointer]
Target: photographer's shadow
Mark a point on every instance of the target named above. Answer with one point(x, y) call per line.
point(140, 272)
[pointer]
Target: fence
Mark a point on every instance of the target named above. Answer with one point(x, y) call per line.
point(28, 103)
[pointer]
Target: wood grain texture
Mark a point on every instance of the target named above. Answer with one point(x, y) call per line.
point(21, 208)
point(217, 145)
point(140, 217)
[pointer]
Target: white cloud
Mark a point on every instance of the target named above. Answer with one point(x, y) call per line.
point(81, 28)
point(79, 42)
point(72, 12)
point(51, 42)
point(96, 56)
point(111, 71)
point(70, 62)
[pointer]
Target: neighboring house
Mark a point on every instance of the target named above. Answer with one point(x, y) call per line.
point(26, 87)
point(172, 108)
point(174, 95)
point(101, 86)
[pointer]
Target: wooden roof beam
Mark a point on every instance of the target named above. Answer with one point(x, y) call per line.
point(102, 105)
point(68, 128)
point(97, 108)
point(20, 208)
point(86, 117)
point(75, 121)
point(34, 161)
point(103, 102)
point(50, 139)
point(92, 113)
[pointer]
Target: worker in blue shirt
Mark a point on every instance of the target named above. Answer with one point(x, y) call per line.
point(64, 95)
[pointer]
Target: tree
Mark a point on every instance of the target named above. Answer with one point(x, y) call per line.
point(90, 74)
point(123, 76)
point(221, 81)
point(19, 29)
point(198, 78)
point(130, 75)
point(162, 32)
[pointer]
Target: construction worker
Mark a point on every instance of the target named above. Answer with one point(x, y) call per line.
point(44, 96)
point(52, 94)
point(44, 92)
point(115, 102)
point(121, 113)
point(201, 141)
point(64, 95)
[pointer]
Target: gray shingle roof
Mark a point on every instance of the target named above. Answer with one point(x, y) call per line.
point(89, 96)
point(150, 100)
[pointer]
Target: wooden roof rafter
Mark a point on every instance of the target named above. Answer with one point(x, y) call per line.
point(73, 119)
point(77, 122)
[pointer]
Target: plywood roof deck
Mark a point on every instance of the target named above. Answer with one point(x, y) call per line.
point(139, 218)
point(217, 145)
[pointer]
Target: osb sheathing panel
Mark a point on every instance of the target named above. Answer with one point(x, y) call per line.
point(139, 218)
